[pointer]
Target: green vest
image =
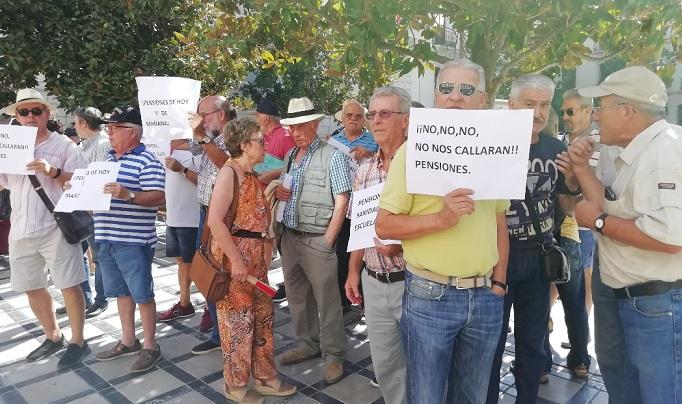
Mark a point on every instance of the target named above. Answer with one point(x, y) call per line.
point(315, 198)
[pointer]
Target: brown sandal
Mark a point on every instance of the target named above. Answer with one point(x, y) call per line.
point(277, 388)
point(243, 395)
point(580, 372)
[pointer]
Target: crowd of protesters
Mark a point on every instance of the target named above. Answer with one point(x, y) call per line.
point(438, 305)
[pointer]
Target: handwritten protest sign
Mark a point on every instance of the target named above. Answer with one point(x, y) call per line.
point(87, 185)
point(164, 104)
point(365, 206)
point(485, 150)
point(17, 144)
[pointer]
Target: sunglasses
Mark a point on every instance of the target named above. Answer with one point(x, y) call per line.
point(383, 114)
point(35, 111)
point(465, 89)
point(350, 115)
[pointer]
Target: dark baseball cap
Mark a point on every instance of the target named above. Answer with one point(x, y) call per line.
point(70, 132)
point(125, 114)
point(267, 107)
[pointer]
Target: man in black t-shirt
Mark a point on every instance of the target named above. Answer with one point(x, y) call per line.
point(547, 184)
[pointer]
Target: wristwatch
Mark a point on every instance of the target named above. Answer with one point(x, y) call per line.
point(131, 196)
point(205, 140)
point(184, 171)
point(600, 222)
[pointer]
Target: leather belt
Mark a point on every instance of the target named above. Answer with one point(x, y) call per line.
point(303, 233)
point(647, 289)
point(478, 281)
point(387, 277)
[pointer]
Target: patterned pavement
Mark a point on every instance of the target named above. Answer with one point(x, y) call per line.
point(181, 377)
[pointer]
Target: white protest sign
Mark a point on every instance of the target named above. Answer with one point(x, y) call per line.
point(17, 144)
point(287, 181)
point(484, 150)
point(164, 104)
point(365, 206)
point(87, 187)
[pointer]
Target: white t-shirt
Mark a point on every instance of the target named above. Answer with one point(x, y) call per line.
point(182, 204)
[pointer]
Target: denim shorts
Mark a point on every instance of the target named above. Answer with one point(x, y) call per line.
point(181, 242)
point(587, 245)
point(127, 270)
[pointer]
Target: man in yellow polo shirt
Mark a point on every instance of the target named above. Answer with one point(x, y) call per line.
point(456, 252)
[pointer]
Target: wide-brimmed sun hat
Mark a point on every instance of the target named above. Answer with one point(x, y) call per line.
point(26, 96)
point(301, 110)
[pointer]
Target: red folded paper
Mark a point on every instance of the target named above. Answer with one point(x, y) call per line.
point(262, 286)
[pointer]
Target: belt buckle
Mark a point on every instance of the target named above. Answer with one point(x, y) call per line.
point(383, 275)
point(457, 286)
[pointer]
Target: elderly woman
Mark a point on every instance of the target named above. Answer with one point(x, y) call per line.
point(245, 315)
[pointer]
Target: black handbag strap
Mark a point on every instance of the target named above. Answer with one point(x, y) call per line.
point(41, 192)
point(292, 156)
point(534, 217)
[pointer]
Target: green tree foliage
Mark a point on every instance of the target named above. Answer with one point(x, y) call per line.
point(373, 40)
point(89, 51)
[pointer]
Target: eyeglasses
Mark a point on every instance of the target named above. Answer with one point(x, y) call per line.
point(383, 114)
point(35, 111)
point(350, 115)
point(114, 126)
point(598, 108)
point(205, 114)
point(259, 139)
point(568, 111)
point(464, 89)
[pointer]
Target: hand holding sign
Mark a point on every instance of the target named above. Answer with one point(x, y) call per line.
point(455, 205)
point(84, 190)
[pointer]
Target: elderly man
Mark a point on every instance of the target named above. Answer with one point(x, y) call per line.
point(213, 111)
point(638, 219)
point(361, 143)
point(528, 292)
point(278, 141)
point(382, 283)
point(36, 244)
point(126, 234)
point(314, 208)
point(456, 253)
point(94, 147)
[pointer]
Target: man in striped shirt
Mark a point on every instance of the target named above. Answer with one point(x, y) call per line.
point(126, 235)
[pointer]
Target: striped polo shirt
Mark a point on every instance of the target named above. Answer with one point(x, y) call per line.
point(125, 222)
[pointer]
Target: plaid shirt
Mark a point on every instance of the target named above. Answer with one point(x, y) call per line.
point(371, 172)
point(338, 173)
point(208, 172)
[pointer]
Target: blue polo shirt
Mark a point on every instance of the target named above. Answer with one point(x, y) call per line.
point(125, 222)
point(365, 140)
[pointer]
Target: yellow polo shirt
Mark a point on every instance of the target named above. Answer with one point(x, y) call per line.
point(468, 249)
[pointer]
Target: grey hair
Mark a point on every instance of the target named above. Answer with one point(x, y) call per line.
point(531, 82)
point(465, 64)
point(652, 111)
point(138, 128)
point(404, 99)
point(91, 115)
point(351, 101)
point(223, 104)
point(584, 102)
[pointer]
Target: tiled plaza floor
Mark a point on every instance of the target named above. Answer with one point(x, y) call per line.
point(181, 377)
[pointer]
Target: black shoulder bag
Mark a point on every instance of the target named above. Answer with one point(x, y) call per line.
point(554, 263)
point(75, 225)
point(5, 205)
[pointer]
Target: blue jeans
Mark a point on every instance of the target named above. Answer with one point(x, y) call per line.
point(215, 334)
point(100, 297)
point(449, 336)
point(572, 296)
point(652, 327)
point(529, 294)
point(619, 374)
